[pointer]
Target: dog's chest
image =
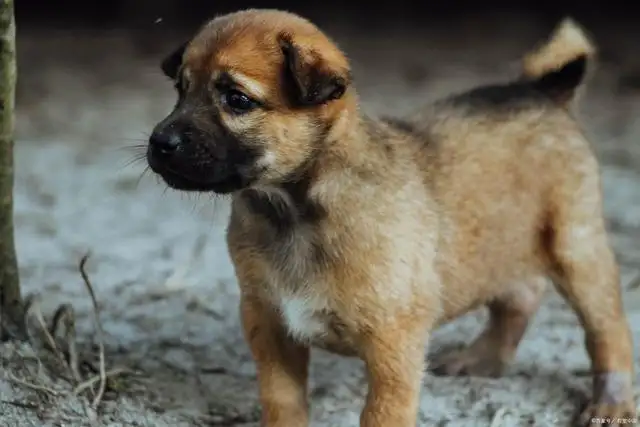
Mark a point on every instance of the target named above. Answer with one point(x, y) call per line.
point(305, 318)
point(312, 321)
point(296, 262)
point(300, 296)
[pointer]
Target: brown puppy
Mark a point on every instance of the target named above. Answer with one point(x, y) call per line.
point(361, 236)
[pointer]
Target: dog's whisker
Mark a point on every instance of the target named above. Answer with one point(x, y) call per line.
point(133, 161)
point(141, 146)
point(144, 172)
point(136, 148)
point(137, 157)
point(136, 139)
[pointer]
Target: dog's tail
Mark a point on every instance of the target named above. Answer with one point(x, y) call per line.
point(559, 66)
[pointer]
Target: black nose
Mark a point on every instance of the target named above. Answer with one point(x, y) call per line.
point(165, 142)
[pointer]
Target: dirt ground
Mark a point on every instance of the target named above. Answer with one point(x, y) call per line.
point(159, 265)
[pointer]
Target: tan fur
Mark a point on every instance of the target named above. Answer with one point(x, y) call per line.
point(467, 204)
point(566, 43)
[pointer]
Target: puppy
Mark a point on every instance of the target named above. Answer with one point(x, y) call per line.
point(361, 236)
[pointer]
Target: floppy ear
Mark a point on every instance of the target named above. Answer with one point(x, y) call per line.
point(172, 63)
point(313, 81)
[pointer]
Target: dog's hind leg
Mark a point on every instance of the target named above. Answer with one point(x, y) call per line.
point(490, 353)
point(588, 278)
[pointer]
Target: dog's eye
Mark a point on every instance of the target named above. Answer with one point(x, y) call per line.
point(238, 102)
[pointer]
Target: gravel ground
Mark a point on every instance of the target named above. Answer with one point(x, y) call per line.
point(161, 272)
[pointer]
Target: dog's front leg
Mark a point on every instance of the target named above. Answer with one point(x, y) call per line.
point(394, 358)
point(282, 366)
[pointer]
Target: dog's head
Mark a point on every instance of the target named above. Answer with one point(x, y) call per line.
point(258, 93)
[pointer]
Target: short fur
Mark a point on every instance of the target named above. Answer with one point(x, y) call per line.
point(361, 235)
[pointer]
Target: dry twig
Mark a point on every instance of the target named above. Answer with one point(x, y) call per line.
point(65, 316)
point(98, 325)
point(91, 381)
point(17, 404)
point(33, 306)
point(499, 417)
point(32, 386)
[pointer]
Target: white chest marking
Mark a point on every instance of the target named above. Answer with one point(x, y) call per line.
point(303, 317)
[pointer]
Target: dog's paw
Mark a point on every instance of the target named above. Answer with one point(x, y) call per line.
point(468, 361)
point(618, 415)
point(613, 402)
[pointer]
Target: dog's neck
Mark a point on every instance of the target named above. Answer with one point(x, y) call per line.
point(306, 195)
point(287, 203)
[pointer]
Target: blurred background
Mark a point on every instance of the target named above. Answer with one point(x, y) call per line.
point(80, 52)
point(140, 13)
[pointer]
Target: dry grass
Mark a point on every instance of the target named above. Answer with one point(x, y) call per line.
point(58, 374)
point(67, 382)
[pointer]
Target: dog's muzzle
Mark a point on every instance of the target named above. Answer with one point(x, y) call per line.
point(189, 161)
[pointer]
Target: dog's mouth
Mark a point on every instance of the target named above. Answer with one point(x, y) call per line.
point(184, 182)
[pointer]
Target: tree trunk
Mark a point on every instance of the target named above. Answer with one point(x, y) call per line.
point(11, 309)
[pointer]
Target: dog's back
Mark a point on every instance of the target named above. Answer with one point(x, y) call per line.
point(499, 160)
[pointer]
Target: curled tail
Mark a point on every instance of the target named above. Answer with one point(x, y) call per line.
point(559, 66)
